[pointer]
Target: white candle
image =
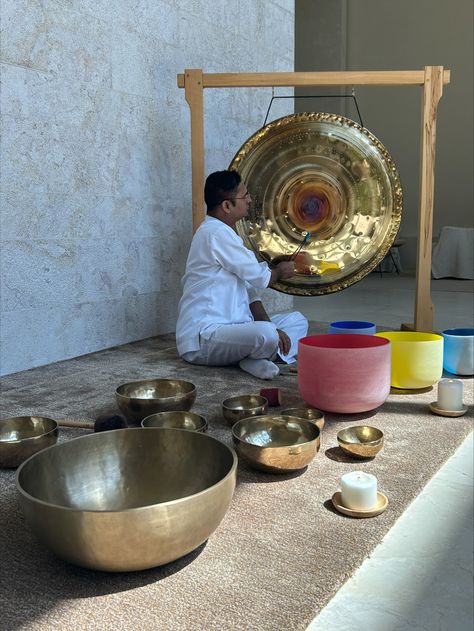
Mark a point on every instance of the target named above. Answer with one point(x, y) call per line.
point(359, 490)
point(450, 395)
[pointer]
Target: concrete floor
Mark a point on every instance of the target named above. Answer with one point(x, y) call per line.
point(420, 577)
point(389, 301)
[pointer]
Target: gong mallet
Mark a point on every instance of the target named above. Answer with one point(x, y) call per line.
point(103, 423)
point(306, 240)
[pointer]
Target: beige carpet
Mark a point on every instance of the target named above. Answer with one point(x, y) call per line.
point(280, 553)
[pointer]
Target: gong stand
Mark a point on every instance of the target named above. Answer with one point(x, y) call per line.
point(431, 79)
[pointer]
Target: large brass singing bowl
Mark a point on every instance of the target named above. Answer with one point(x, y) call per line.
point(325, 175)
point(127, 499)
point(361, 441)
point(139, 399)
point(278, 444)
point(23, 436)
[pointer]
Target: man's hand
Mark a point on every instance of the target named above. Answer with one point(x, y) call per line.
point(284, 269)
point(285, 343)
point(278, 259)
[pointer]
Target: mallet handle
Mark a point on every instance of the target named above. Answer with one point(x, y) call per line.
point(77, 424)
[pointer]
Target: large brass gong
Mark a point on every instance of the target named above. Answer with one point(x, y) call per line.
point(325, 175)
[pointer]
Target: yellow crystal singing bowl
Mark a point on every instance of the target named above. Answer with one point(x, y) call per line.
point(417, 358)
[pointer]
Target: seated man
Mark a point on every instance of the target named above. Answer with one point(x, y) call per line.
point(221, 320)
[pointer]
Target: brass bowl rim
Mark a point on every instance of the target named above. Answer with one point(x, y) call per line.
point(238, 396)
point(204, 424)
point(255, 419)
point(375, 441)
point(125, 510)
point(285, 412)
point(144, 381)
point(28, 438)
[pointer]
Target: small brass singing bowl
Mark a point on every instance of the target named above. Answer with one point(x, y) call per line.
point(310, 414)
point(23, 436)
point(277, 444)
point(139, 399)
point(361, 441)
point(179, 419)
point(244, 406)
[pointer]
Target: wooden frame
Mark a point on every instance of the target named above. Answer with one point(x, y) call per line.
point(431, 79)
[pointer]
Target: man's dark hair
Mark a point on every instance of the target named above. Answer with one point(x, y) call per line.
point(219, 186)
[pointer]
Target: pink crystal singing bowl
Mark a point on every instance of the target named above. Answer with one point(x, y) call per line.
point(344, 373)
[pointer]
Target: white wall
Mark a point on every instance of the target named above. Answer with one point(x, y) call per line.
point(95, 157)
point(403, 35)
point(411, 34)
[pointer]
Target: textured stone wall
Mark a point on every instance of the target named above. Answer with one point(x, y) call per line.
point(95, 157)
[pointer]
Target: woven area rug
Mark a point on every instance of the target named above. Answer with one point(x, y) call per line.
point(281, 551)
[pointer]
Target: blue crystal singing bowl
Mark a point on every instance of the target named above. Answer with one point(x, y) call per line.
point(352, 326)
point(459, 351)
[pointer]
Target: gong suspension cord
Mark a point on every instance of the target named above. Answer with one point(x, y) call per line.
point(316, 96)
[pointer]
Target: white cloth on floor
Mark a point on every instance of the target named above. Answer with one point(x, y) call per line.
point(219, 272)
point(453, 255)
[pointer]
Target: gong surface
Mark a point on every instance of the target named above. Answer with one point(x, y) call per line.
point(325, 175)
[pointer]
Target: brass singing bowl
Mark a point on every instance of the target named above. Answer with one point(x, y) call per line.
point(361, 441)
point(23, 436)
point(127, 499)
point(310, 414)
point(179, 419)
point(274, 443)
point(242, 406)
point(139, 399)
point(325, 175)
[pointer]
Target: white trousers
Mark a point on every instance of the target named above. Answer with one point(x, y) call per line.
point(256, 340)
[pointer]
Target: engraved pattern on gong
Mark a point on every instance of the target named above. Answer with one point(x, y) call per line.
point(325, 175)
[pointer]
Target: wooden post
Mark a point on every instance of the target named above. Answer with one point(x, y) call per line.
point(194, 96)
point(432, 92)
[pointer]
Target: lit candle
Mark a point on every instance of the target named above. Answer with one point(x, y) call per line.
point(450, 395)
point(359, 490)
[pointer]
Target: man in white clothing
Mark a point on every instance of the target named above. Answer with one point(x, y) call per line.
point(221, 319)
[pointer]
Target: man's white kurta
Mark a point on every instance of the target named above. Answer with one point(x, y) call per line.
point(219, 271)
